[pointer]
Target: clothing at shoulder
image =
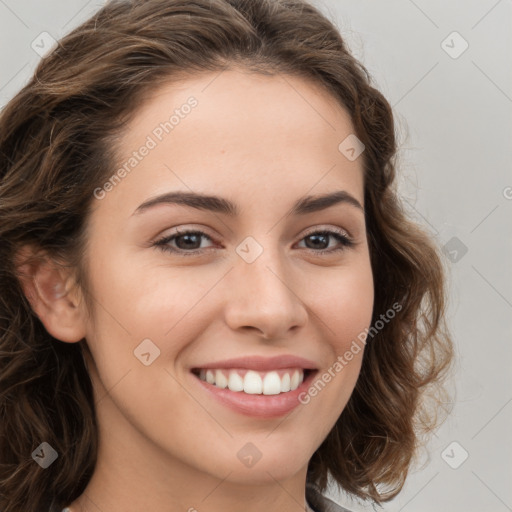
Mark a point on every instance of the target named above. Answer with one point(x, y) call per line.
point(319, 502)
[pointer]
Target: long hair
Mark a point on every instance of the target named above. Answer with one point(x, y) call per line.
point(56, 146)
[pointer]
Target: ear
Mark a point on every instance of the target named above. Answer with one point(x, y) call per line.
point(48, 288)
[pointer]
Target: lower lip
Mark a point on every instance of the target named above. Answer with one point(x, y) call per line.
point(262, 406)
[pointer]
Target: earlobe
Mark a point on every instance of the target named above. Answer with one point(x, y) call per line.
point(48, 289)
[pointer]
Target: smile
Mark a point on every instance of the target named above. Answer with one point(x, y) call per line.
point(253, 382)
point(253, 385)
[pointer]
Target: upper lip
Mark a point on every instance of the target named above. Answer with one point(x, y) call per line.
point(259, 363)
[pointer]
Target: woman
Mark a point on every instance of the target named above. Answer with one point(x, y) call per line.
point(143, 372)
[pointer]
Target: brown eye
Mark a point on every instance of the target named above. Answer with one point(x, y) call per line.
point(186, 242)
point(319, 241)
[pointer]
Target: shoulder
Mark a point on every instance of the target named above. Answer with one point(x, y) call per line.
point(321, 503)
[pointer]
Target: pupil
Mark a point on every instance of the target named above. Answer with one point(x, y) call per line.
point(187, 238)
point(316, 237)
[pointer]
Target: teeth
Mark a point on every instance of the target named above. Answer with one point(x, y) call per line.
point(220, 380)
point(271, 384)
point(252, 383)
point(294, 382)
point(285, 383)
point(235, 382)
point(255, 383)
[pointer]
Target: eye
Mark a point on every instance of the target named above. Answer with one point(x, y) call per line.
point(322, 238)
point(186, 242)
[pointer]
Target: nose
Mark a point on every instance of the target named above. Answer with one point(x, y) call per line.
point(263, 296)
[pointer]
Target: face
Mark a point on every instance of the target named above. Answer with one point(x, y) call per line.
point(258, 296)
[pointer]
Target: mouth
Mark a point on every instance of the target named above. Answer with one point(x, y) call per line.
point(256, 386)
point(252, 382)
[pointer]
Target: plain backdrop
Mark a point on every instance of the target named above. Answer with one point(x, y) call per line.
point(446, 68)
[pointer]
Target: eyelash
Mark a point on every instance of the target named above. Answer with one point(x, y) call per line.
point(162, 244)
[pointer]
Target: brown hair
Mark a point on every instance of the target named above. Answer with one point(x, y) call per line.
point(56, 139)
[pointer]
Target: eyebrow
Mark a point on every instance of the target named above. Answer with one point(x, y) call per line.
point(307, 204)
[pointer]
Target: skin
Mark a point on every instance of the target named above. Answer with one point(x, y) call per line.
point(263, 142)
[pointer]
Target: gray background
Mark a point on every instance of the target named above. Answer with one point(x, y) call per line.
point(453, 115)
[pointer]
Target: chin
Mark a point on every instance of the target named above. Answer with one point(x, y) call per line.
point(270, 463)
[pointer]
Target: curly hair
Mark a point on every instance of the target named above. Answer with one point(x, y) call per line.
point(56, 144)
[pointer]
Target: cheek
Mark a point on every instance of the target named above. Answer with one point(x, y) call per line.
point(345, 303)
point(344, 309)
point(144, 299)
point(350, 312)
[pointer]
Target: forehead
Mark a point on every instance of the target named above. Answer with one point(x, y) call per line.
point(236, 96)
point(275, 136)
